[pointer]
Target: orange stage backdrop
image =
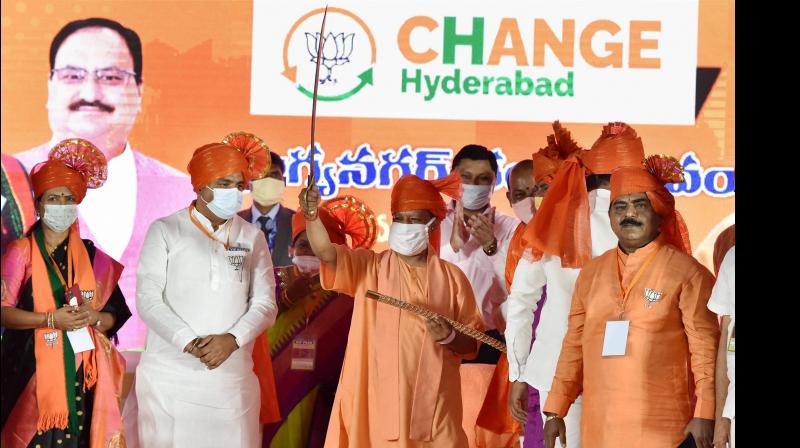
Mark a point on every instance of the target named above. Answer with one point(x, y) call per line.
point(197, 88)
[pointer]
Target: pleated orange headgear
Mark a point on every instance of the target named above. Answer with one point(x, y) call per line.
point(239, 152)
point(561, 224)
point(546, 161)
point(649, 178)
point(343, 216)
point(74, 163)
point(618, 145)
point(413, 193)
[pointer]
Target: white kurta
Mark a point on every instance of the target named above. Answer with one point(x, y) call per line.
point(723, 303)
point(537, 365)
point(185, 289)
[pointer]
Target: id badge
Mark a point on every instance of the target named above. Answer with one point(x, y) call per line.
point(304, 353)
point(732, 341)
point(616, 337)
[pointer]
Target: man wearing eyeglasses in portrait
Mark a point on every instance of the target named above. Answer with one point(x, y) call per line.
point(95, 91)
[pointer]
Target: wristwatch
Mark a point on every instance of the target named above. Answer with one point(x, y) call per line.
point(551, 417)
point(492, 249)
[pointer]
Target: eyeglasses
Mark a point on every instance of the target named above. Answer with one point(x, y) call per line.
point(105, 76)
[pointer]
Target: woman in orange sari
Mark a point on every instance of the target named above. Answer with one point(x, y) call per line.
point(62, 378)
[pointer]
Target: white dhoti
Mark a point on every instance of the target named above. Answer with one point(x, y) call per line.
point(191, 286)
point(198, 409)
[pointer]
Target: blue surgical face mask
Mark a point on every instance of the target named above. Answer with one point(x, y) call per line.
point(226, 202)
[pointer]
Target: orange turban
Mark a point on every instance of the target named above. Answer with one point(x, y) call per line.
point(617, 146)
point(650, 179)
point(239, 152)
point(561, 224)
point(213, 161)
point(73, 163)
point(547, 160)
point(413, 193)
point(343, 216)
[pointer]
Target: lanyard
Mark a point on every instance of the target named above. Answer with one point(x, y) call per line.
point(627, 292)
point(205, 232)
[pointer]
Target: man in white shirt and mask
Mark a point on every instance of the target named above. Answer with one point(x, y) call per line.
point(473, 233)
point(207, 292)
point(571, 227)
point(267, 213)
point(527, 183)
point(723, 303)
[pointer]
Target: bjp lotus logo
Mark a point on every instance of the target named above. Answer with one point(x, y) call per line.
point(336, 50)
point(353, 69)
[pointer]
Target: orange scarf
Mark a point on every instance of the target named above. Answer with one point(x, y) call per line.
point(515, 250)
point(561, 225)
point(262, 366)
point(56, 397)
point(431, 361)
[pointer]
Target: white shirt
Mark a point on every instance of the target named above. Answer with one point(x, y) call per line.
point(723, 303)
point(110, 211)
point(536, 365)
point(272, 214)
point(186, 288)
point(486, 273)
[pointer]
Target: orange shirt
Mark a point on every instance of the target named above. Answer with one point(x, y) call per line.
point(644, 398)
point(376, 406)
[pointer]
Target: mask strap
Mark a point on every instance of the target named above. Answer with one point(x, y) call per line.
point(428, 225)
point(212, 192)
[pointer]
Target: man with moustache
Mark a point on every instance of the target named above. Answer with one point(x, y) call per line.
point(641, 343)
point(95, 92)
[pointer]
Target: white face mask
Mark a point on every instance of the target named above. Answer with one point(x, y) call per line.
point(525, 209)
point(307, 264)
point(475, 197)
point(409, 239)
point(268, 191)
point(58, 218)
point(226, 202)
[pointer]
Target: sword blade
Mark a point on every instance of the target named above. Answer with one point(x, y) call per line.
point(321, 40)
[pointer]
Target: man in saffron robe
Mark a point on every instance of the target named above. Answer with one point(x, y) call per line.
point(400, 383)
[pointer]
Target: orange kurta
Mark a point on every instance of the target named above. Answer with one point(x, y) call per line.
point(643, 398)
point(367, 411)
